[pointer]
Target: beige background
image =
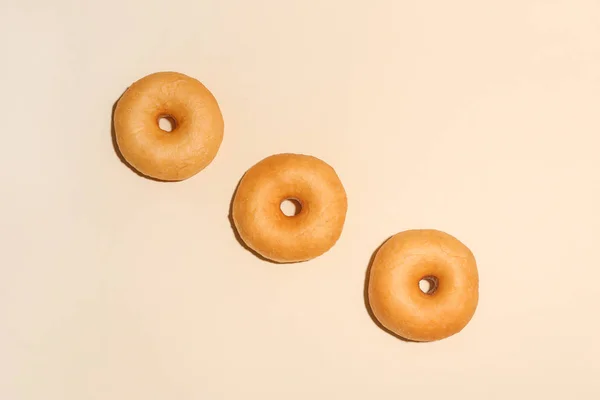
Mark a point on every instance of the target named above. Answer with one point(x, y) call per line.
point(480, 118)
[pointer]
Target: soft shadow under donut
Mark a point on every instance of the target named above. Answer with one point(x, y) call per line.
point(115, 145)
point(236, 233)
point(366, 298)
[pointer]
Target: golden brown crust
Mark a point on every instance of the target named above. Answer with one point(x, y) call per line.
point(189, 147)
point(265, 229)
point(394, 294)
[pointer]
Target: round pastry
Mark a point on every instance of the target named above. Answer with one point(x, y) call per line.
point(264, 228)
point(417, 256)
point(197, 126)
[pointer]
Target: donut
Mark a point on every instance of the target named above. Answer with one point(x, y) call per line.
point(266, 230)
point(413, 256)
point(197, 126)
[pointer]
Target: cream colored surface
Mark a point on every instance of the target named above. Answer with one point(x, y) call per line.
point(479, 118)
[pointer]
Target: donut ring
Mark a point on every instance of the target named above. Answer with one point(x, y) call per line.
point(194, 140)
point(266, 230)
point(394, 295)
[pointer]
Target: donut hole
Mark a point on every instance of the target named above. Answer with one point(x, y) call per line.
point(429, 284)
point(290, 207)
point(166, 123)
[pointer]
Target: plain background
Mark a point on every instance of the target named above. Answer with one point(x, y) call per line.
point(480, 118)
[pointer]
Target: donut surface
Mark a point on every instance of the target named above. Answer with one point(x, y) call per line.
point(396, 299)
point(265, 229)
point(193, 142)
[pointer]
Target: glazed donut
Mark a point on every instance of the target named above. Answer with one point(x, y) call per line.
point(266, 230)
point(402, 307)
point(197, 131)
